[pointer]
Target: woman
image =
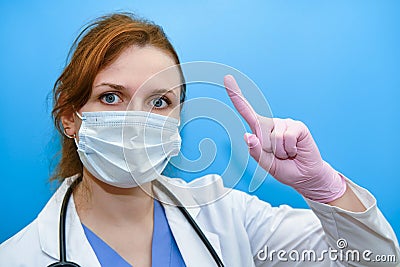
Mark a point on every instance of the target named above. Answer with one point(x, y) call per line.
point(113, 221)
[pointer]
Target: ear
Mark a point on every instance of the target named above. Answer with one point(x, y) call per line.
point(69, 123)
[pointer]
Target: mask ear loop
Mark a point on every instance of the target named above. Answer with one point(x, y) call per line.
point(80, 117)
point(69, 136)
point(73, 136)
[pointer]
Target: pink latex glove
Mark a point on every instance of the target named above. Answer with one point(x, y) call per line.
point(286, 149)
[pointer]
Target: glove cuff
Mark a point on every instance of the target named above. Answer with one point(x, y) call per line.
point(329, 185)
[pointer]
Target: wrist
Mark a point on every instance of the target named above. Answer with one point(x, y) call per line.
point(325, 187)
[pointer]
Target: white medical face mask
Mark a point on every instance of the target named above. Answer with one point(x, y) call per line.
point(127, 148)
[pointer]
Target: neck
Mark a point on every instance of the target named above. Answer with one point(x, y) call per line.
point(98, 202)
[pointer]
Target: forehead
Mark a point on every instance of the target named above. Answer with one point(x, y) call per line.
point(147, 67)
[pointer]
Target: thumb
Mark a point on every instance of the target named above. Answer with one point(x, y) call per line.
point(255, 148)
point(264, 159)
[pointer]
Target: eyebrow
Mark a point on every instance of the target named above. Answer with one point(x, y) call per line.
point(163, 91)
point(122, 88)
point(112, 85)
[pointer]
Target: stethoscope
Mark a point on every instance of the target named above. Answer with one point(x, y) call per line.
point(63, 214)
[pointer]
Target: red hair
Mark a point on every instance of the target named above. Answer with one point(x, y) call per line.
point(96, 47)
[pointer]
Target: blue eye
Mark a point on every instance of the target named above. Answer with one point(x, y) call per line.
point(160, 102)
point(110, 98)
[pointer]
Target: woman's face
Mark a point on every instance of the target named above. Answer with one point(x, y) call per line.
point(125, 85)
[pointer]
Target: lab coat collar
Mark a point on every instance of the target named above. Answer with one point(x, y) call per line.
point(78, 248)
point(192, 195)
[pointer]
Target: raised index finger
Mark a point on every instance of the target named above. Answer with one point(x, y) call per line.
point(240, 102)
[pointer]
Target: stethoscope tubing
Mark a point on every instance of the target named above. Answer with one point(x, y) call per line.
point(63, 215)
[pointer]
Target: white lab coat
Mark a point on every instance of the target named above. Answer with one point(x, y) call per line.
point(238, 226)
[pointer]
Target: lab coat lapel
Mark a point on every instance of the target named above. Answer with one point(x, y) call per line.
point(78, 248)
point(193, 250)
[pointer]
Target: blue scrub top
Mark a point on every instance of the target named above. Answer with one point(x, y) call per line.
point(165, 251)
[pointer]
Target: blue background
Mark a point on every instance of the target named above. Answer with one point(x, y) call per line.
point(333, 64)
